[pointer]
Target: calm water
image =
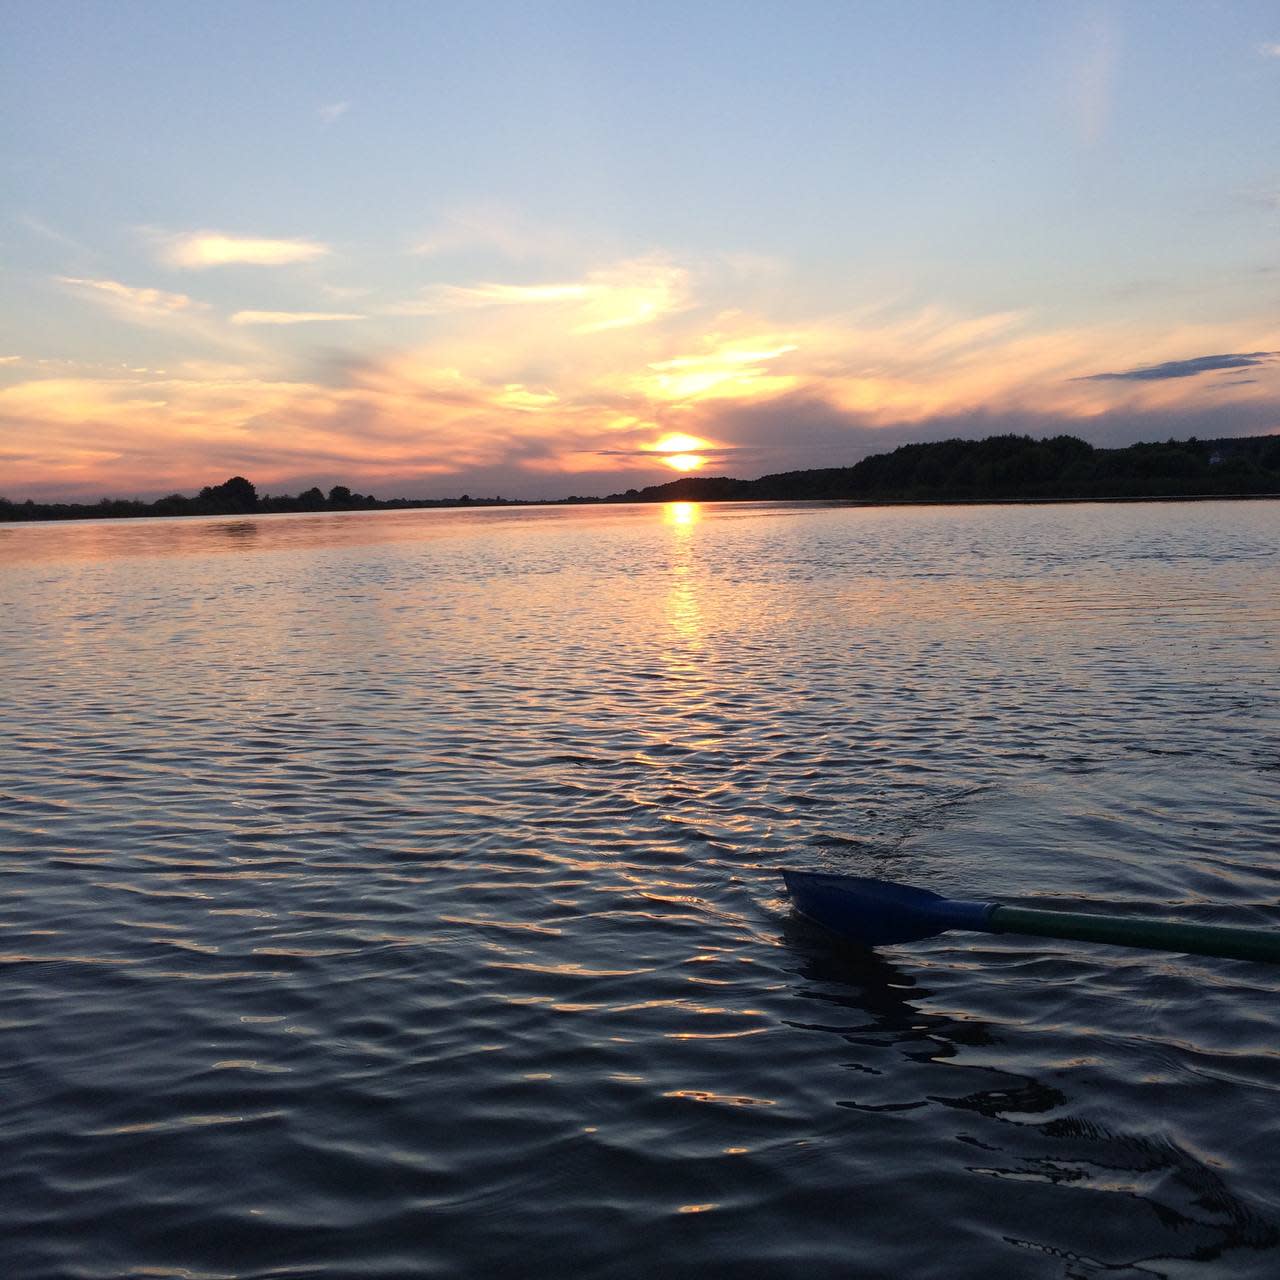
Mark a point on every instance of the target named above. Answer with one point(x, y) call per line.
point(392, 895)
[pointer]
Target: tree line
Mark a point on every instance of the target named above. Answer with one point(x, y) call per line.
point(233, 497)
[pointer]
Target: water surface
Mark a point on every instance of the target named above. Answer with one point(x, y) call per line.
point(394, 894)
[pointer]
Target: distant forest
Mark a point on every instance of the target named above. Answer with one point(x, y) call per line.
point(234, 497)
point(998, 469)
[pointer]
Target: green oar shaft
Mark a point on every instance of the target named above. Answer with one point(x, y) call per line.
point(1157, 935)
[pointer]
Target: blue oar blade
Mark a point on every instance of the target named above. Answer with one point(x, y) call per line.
point(877, 913)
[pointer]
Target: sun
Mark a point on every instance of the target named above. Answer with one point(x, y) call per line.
point(678, 451)
point(684, 461)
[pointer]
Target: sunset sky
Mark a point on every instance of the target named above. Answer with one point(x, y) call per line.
point(539, 249)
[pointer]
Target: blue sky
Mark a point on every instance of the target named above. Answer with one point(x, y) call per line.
point(521, 248)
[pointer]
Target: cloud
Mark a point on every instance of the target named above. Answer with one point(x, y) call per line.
point(495, 229)
point(1183, 368)
point(1094, 57)
point(715, 454)
point(345, 291)
point(10, 359)
point(1271, 50)
point(541, 389)
point(333, 111)
point(132, 432)
point(291, 317)
point(137, 304)
point(445, 298)
point(175, 315)
point(732, 369)
point(214, 249)
point(53, 234)
point(633, 292)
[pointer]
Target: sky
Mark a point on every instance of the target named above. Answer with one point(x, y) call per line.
point(540, 249)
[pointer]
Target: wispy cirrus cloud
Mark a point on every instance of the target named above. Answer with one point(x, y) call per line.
point(173, 314)
point(332, 111)
point(1093, 71)
point(292, 317)
point(442, 299)
point(1183, 368)
point(200, 249)
point(134, 303)
point(53, 234)
point(494, 228)
point(1270, 50)
point(634, 292)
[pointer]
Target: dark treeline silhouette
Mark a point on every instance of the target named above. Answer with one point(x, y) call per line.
point(1008, 468)
point(233, 497)
point(998, 469)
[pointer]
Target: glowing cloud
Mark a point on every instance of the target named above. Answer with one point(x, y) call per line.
point(291, 317)
point(214, 249)
point(727, 370)
point(516, 396)
point(635, 292)
point(590, 383)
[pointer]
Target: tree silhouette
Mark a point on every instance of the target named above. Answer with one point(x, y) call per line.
point(234, 496)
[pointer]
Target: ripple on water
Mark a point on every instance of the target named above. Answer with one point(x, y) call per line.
point(395, 895)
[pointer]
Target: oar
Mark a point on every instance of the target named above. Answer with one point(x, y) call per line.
point(876, 913)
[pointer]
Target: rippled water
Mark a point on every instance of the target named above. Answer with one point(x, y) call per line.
point(393, 895)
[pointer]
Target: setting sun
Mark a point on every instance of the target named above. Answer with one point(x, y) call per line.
point(684, 461)
point(677, 450)
point(678, 443)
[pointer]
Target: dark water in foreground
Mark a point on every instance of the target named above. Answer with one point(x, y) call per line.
point(391, 895)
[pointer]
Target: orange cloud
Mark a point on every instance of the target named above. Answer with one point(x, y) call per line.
point(727, 370)
point(583, 376)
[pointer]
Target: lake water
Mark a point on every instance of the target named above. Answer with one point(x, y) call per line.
point(394, 894)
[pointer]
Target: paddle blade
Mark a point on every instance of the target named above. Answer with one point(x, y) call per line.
point(877, 913)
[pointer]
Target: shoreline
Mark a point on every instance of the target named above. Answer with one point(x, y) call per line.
point(481, 504)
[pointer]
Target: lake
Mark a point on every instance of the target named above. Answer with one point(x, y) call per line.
point(395, 894)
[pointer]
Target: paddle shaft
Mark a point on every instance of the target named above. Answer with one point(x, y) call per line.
point(1156, 935)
